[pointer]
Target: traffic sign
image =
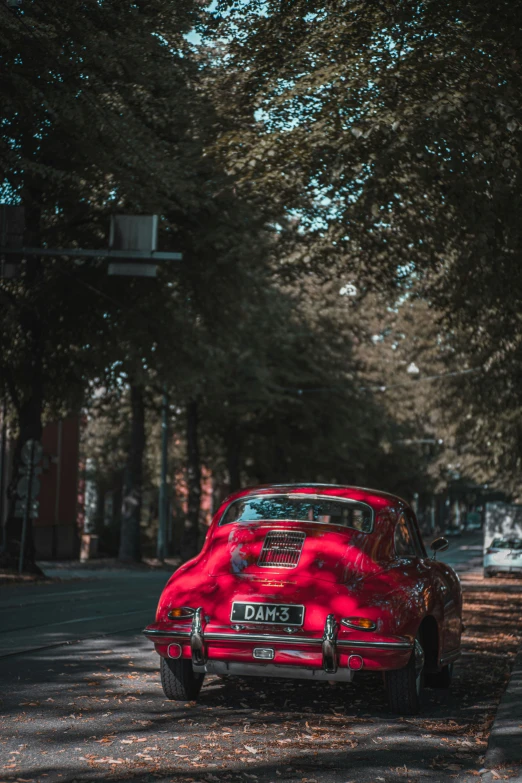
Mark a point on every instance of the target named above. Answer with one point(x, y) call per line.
point(32, 452)
point(21, 506)
point(22, 487)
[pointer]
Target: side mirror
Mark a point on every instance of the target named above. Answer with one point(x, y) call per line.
point(439, 545)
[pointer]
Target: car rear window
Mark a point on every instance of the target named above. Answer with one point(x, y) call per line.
point(304, 508)
point(507, 543)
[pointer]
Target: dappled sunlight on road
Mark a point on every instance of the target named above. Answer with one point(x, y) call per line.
point(95, 711)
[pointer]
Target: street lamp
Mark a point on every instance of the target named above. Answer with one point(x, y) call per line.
point(413, 370)
point(132, 244)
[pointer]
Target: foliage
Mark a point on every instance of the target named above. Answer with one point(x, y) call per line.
point(303, 147)
point(392, 132)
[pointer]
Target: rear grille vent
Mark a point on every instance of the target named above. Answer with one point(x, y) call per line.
point(281, 549)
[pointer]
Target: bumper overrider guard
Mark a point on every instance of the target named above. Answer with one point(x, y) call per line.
point(197, 639)
point(330, 645)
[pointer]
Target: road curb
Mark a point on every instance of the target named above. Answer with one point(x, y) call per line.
point(505, 741)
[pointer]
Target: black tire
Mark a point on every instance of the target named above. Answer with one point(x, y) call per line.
point(404, 688)
point(488, 574)
point(178, 680)
point(440, 679)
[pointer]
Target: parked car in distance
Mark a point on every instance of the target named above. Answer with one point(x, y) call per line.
point(504, 555)
point(311, 581)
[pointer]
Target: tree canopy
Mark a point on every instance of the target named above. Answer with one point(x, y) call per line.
point(298, 151)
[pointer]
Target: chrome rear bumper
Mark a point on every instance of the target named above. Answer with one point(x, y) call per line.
point(198, 639)
point(241, 636)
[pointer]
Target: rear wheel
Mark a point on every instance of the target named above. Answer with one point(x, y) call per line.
point(404, 685)
point(440, 679)
point(487, 573)
point(178, 679)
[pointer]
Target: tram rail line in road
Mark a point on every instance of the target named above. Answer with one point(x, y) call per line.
point(63, 597)
point(32, 621)
point(66, 642)
point(78, 620)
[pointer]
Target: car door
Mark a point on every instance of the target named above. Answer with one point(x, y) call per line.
point(447, 594)
point(410, 562)
point(436, 585)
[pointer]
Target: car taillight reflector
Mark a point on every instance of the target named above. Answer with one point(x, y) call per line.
point(355, 662)
point(174, 651)
point(181, 613)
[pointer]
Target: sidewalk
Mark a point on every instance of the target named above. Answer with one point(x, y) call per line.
point(65, 570)
point(503, 759)
point(504, 753)
point(109, 564)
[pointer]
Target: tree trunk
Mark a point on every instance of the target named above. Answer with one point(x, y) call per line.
point(190, 542)
point(28, 400)
point(233, 457)
point(130, 543)
point(30, 428)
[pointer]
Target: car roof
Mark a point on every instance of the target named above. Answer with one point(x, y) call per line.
point(375, 498)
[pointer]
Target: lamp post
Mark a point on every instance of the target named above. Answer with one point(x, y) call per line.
point(3, 452)
point(161, 548)
point(131, 252)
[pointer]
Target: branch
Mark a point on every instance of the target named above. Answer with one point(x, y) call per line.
point(11, 388)
point(8, 299)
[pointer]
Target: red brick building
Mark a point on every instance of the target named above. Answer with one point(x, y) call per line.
point(56, 527)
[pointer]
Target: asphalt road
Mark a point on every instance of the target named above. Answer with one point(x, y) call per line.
point(464, 552)
point(42, 615)
point(81, 700)
point(95, 602)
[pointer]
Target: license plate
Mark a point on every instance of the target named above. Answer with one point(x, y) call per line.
point(288, 614)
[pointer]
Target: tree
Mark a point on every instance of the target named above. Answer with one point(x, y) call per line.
point(373, 118)
point(392, 130)
point(111, 137)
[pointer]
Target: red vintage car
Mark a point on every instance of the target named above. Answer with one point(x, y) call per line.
point(311, 581)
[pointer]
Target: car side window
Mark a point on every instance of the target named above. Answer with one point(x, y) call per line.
point(417, 537)
point(403, 539)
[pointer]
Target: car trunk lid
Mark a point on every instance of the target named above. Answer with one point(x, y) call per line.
point(290, 550)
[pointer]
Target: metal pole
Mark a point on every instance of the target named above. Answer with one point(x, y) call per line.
point(59, 438)
point(28, 504)
point(161, 550)
point(457, 513)
point(3, 467)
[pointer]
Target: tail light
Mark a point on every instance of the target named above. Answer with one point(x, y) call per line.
point(359, 623)
point(355, 662)
point(181, 613)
